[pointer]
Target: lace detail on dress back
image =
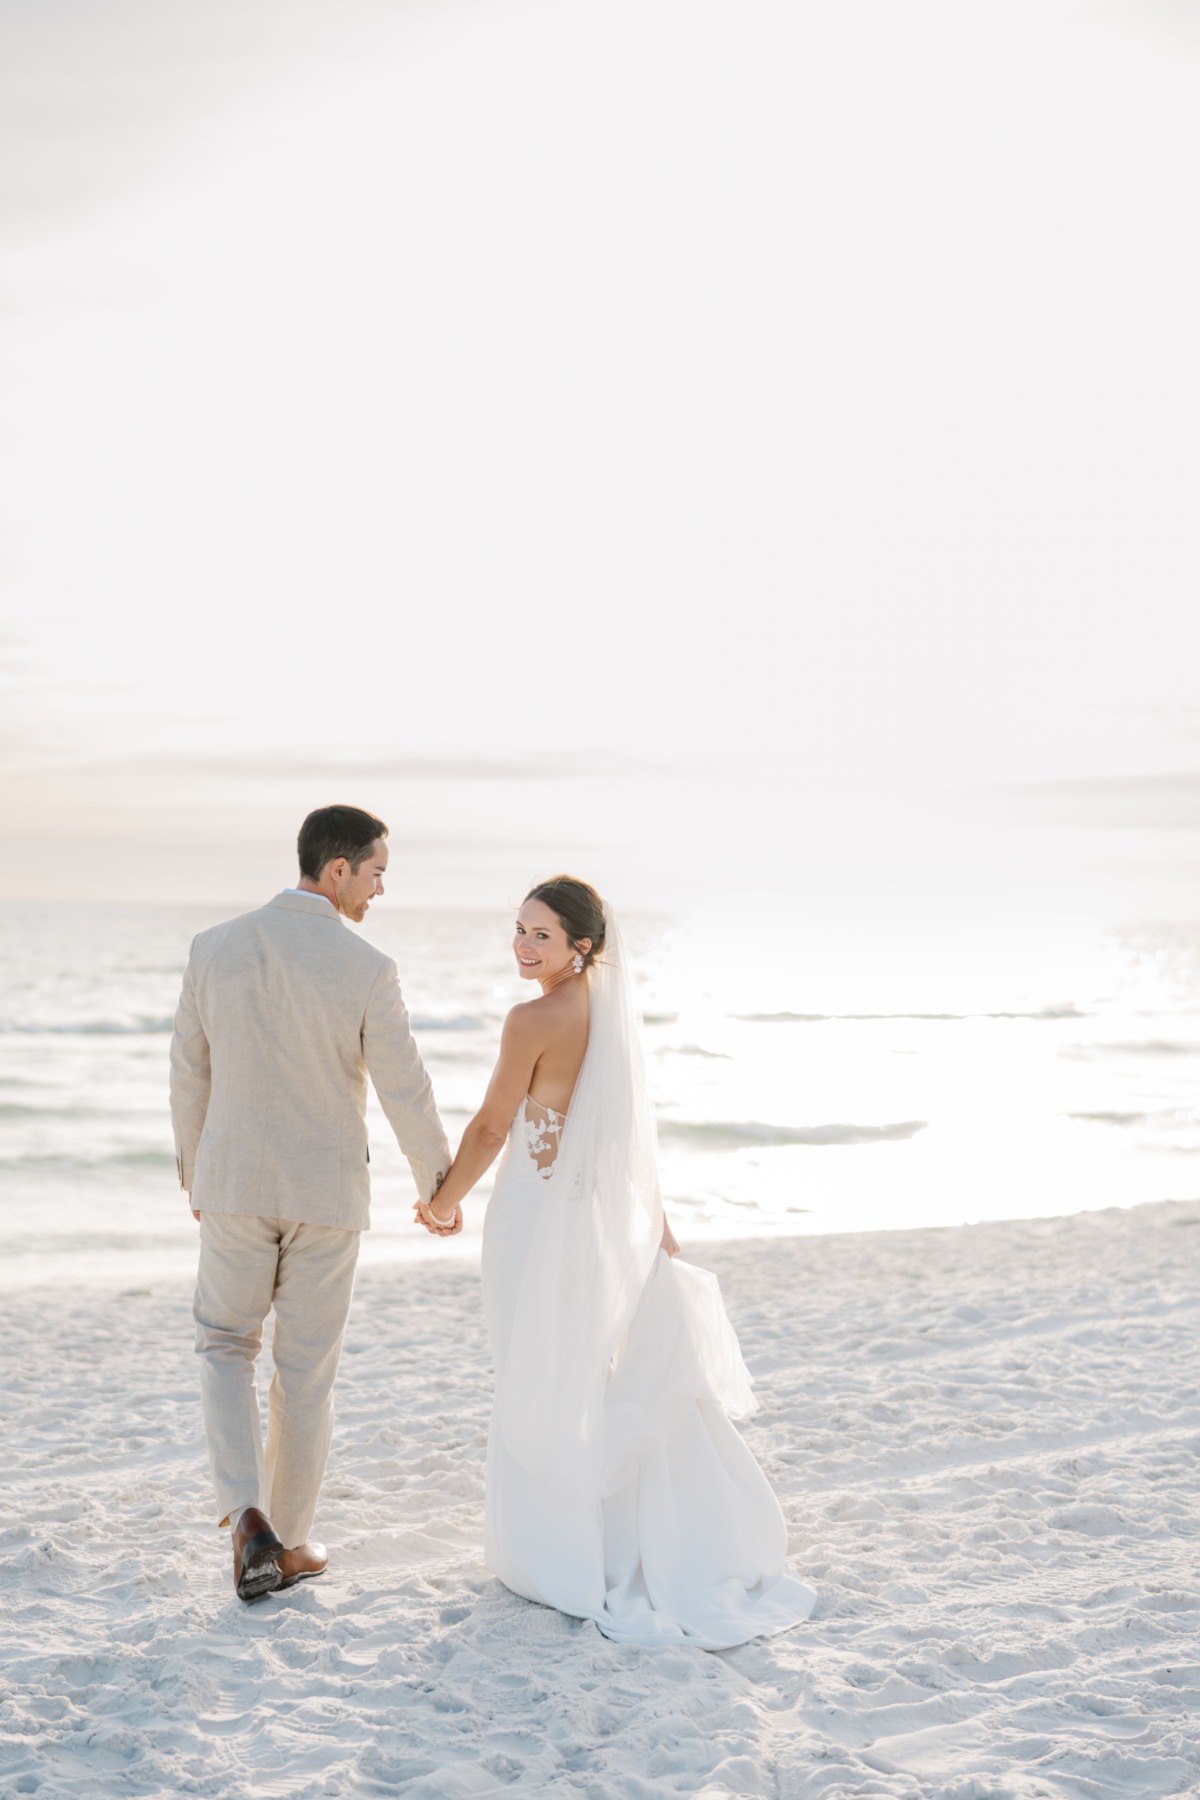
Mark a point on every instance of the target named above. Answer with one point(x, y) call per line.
point(542, 1127)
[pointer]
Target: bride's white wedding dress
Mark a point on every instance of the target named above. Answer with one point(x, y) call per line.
point(618, 1490)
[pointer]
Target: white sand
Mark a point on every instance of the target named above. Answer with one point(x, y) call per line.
point(986, 1441)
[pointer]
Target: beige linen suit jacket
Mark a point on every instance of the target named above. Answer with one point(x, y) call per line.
point(284, 1012)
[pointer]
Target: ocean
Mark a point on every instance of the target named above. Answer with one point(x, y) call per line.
point(802, 1084)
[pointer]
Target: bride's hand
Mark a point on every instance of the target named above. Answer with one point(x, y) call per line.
point(423, 1217)
point(668, 1240)
point(424, 1214)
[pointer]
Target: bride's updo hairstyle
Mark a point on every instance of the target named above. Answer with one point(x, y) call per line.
point(578, 909)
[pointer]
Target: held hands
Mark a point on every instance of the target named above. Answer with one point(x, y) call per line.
point(424, 1214)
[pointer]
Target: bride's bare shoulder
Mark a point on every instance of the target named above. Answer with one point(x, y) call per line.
point(527, 1018)
point(539, 1017)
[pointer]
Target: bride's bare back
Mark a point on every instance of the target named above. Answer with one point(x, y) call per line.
point(563, 1028)
point(555, 1073)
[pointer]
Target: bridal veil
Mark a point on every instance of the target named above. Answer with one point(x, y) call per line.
point(611, 1341)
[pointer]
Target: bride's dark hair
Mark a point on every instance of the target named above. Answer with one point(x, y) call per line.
point(578, 909)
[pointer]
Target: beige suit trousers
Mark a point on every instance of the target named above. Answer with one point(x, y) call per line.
point(248, 1265)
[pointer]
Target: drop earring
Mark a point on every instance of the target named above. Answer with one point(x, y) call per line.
point(577, 965)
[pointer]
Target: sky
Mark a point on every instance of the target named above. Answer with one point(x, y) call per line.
point(699, 442)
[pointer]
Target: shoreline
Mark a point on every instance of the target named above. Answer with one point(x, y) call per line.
point(465, 1252)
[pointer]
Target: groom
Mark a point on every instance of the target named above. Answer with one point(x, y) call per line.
point(284, 1013)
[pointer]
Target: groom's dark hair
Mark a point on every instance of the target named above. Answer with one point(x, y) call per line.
point(334, 831)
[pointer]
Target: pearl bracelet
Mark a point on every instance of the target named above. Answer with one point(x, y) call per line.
point(427, 1205)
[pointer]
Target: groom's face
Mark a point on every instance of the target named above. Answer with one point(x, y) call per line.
point(356, 888)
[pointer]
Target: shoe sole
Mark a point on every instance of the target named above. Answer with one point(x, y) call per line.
point(260, 1572)
point(287, 1581)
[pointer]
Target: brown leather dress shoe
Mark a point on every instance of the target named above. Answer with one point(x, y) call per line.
point(256, 1551)
point(301, 1563)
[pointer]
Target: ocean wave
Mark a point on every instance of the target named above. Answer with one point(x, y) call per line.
point(725, 1135)
point(87, 1027)
point(83, 1165)
point(692, 1050)
point(74, 1109)
point(936, 1018)
point(459, 1022)
point(1144, 1047)
point(1166, 1118)
point(1111, 1118)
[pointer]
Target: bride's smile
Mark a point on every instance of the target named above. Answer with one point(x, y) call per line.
point(543, 950)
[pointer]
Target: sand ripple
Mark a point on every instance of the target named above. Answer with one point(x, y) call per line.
point(985, 1441)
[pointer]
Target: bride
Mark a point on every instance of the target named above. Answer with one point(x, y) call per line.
point(617, 1488)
